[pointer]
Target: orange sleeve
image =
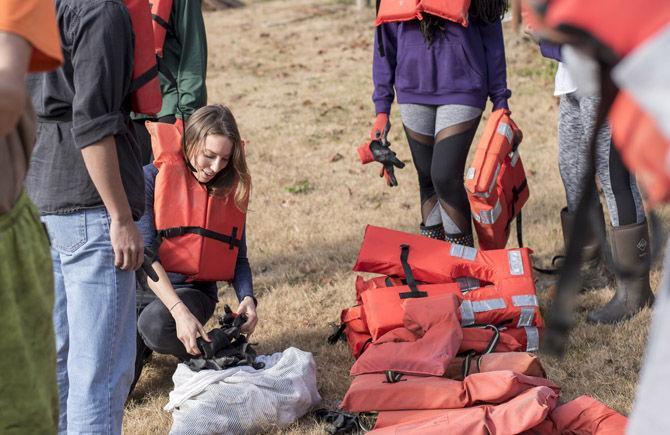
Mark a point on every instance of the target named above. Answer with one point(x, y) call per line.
point(35, 21)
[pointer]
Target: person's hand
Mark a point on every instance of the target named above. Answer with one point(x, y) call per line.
point(248, 307)
point(380, 127)
point(188, 328)
point(127, 244)
point(528, 31)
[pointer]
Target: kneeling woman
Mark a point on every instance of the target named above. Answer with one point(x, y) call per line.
point(197, 192)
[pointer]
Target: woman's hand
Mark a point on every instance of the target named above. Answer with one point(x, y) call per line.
point(248, 307)
point(188, 328)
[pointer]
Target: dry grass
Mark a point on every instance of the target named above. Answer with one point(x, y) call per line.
point(297, 75)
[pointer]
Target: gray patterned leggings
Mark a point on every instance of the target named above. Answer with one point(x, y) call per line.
point(575, 126)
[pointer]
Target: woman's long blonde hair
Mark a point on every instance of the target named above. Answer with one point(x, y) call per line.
point(217, 119)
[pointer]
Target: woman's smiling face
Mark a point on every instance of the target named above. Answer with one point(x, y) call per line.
point(212, 157)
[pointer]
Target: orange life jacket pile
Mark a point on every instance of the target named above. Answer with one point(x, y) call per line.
point(442, 340)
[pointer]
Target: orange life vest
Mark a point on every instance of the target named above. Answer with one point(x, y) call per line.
point(160, 12)
point(404, 10)
point(145, 97)
point(435, 261)
point(518, 415)
point(496, 182)
point(642, 146)
point(613, 29)
point(201, 233)
point(518, 362)
point(583, 415)
point(376, 392)
point(425, 345)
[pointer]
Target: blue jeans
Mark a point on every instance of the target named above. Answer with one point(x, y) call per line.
point(94, 322)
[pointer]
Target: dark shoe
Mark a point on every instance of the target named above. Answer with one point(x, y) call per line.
point(593, 271)
point(630, 252)
point(141, 358)
point(433, 231)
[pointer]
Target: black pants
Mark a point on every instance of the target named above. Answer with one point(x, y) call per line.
point(158, 328)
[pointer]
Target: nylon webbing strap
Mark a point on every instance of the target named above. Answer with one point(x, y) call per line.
point(494, 340)
point(164, 24)
point(393, 377)
point(409, 276)
point(231, 240)
point(144, 78)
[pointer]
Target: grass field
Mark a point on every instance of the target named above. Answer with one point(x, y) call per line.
point(297, 74)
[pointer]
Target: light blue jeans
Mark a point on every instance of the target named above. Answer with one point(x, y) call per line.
point(94, 322)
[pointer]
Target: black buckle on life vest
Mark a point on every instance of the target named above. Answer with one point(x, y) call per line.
point(393, 377)
point(231, 240)
point(409, 276)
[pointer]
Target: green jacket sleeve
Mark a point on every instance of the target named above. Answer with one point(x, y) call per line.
point(189, 28)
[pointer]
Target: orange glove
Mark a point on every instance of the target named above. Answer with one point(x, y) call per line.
point(378, 149)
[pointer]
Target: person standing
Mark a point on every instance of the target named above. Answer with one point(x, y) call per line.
point(182, 68)
point(442, 73)
point(29, 401)
point(86, 178)
point(629, 229)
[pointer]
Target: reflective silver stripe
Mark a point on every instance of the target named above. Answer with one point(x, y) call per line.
point(489, 217)
point(525, 301)
point(532, 339)
point(488, 304)
point(471, 173)
point(527, 317)
point(468, 283)
point(514, 158)
point(469, 253)
point(467, 314)
point(515, 262)
point(488, 192)
point(506, 131)
point(464, 252)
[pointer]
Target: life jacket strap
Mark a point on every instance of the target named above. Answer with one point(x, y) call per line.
point(393, 377)
point(143, 79)
point(409, 276)
point(231, 240)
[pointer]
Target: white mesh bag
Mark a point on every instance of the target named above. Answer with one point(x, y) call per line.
point(241, 400)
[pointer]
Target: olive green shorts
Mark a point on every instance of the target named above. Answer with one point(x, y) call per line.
point(28, 391)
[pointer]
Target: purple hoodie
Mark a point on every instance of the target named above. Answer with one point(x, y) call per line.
point(464, 65)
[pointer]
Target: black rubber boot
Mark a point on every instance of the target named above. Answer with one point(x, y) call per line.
point(460, 239)
point(141, 357)
point(434, 231)
point(630, 252)
point(593, 271)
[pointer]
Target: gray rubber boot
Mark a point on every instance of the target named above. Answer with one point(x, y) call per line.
point(434, 231)
point(594, 273)
point(630, 251)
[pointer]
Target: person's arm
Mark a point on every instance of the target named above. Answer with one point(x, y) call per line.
point(14, 58)
point(190, 31)
point(383, 67)
point(496, 65)
point(550, 49)
point(102, 60)
point(243, 285)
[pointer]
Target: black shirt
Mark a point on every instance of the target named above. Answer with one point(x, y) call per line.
point(81, 103)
